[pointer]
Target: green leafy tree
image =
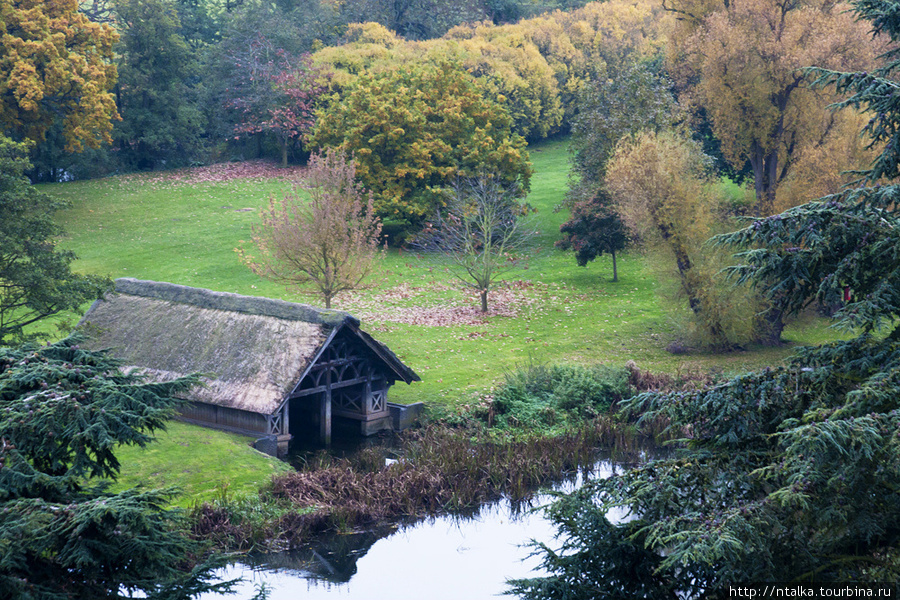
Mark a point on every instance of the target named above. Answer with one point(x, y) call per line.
point(63, 412)
point(416, 19)
point(788, 474)
point(36, 280)
point(157, 89)
point(415, 128)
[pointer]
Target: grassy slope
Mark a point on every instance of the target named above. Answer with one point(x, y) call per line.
point(201, 462)
point(186, 233)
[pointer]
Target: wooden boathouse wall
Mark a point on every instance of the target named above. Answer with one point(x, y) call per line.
point(225, 418)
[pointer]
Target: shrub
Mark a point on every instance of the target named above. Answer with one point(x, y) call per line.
point(545, 395)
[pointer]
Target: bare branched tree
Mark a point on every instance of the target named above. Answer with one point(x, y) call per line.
point(481, 231)
point(329, 242)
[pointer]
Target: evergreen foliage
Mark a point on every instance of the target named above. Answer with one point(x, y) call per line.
point(63, 412)
point(157, 91)
point(787, 474)
point(36, 281)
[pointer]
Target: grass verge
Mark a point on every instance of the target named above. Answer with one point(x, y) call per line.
point(203, 463)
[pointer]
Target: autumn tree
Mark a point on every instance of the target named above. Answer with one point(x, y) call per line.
point(741, 61)
point(36, 280)
point(55, 64)
point(328, 242)
point(533, 68)
point(416, 128)
point(480, 232)
point(277, 93)
point(606, 114)
point(661, 187)
point(513, 72)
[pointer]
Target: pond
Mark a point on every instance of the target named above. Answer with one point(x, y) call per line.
point(449, 557)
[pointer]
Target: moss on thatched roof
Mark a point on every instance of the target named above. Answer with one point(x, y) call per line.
point(250, 305)
point(252, 351)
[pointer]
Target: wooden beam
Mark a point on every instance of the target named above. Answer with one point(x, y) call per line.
point(322, 388)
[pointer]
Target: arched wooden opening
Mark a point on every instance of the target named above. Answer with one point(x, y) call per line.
point(347, 380)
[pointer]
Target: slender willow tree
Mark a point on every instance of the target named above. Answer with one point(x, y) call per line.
point(740, 60)
point(790, 473)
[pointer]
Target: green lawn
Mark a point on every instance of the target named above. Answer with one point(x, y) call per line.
point(186, 232)
point(202, 462)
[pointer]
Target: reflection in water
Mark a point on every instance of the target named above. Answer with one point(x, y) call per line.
point(452, 558)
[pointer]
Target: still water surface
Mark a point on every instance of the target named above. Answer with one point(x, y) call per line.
point(445, 558)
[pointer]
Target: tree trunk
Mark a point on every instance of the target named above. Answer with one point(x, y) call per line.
point(765, 181)
point(327, 300)
point(766, 173)
point(615, 270)
point(484, 304)
point(284, 149)
point(771, 327)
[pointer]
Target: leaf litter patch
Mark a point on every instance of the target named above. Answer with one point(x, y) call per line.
point(509, 299)
point(220, 173)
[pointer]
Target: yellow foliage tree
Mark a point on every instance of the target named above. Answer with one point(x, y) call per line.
point(824, 168)
point(514, 74)
point(533, 68)
point(54, 62)
point(414, 128)
point(660, 186)
point(741, 61)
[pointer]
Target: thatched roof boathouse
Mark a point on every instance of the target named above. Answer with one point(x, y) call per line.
point(271, 368)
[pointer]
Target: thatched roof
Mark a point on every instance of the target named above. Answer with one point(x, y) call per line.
point(253, 351)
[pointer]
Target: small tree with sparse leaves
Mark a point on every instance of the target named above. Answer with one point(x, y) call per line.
point(329, 242)
point(480, 231)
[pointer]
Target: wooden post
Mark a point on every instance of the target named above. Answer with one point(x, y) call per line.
point(325, 413)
